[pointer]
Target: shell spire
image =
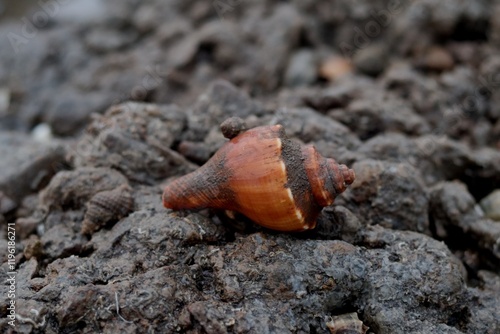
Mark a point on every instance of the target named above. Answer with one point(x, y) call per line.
point(196, 190)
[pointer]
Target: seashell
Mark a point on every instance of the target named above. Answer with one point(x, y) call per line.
point(265, 176)
point(348, 323)
point(107, 206)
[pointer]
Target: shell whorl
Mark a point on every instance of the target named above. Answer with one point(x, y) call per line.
point(327, 178)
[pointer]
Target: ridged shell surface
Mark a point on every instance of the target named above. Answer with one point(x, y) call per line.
point(106, 206)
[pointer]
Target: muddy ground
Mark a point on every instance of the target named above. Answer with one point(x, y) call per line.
point(102, 104)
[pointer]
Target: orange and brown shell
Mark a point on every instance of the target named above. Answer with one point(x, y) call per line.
point(263, 175)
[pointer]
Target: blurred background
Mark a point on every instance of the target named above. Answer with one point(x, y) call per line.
point(61, 60)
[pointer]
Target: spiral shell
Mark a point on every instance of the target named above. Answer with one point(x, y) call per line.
point(107, 206)
point(263, 175)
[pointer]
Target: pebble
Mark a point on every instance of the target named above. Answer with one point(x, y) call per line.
point(371, 60)
point(301, 69)
point(4, 101)
point(42, 133)
point(438, 59)
point(491, 205)
point(335, 67)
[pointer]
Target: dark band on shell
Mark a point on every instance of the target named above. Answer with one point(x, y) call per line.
point(298, 181)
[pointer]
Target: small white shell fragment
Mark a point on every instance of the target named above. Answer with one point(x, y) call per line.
point(42, 133)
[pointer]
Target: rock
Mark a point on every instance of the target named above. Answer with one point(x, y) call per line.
point(29, 166)
point(134, 139)
point(491, 205)
point(445, 19)
point(377, 195)
point(495, 29)
point(489, 71)
point(468, 103)
point(301, 70)
point(463, 52)
point(452, 208)
point(70, 113)
point(437, 59)
point(437, 152)
point(278, 35)
point(26, 226)
point(371, 60)
point(104, 40)
point(437, 158)
point(338, 222)
point(4, 101)
point(198, 152)
point(206, 317)
point(28, 206)
point(335, 97)
point(333, 269)
point(339, 95)
point(168, 31)
point(184, 51)
point(409, 84)
point(481, 134)
point(6, 204)
point(368, 117)
point(72, 189)
point(62, 241)
point(334, 67)
point(449, 270)
point(33, 248)
point(225, 48)
point(221, 101)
